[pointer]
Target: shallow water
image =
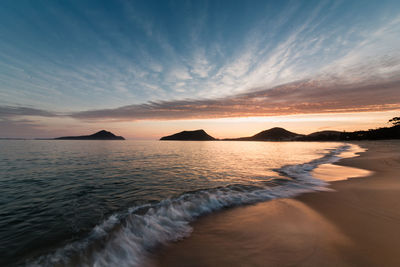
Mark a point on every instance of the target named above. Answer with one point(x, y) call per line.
point(94, 202)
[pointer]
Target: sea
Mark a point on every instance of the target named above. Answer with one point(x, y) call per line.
point(115, 203)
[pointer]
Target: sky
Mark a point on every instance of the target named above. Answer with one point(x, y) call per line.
point(144, 69)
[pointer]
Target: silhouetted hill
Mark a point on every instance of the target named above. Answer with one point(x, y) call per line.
point(102, 135)
point(280, 134)
point(321, 136)
point(198, 135)
point(273, 134)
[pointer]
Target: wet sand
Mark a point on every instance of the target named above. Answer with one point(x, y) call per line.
point(357, 224)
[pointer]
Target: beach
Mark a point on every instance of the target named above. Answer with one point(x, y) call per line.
point(357, 223)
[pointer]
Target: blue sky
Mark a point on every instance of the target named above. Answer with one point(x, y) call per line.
point(68, 57)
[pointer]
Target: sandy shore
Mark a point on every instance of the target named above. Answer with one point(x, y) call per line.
point(358, 224)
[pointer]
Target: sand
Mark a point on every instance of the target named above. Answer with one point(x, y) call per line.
point(357, 224)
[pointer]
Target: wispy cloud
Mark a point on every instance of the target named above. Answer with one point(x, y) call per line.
point(303, 97)
point(10, 112)
point(131, 61)
point(326, 94)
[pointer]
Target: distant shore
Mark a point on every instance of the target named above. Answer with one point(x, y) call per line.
point(280, 134)
point(357, 224)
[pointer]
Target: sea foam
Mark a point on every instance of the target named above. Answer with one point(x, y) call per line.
point(126, 239)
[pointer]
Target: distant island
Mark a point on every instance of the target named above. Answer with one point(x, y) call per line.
point(322, 136)
point(280, 134)
point(273, 134)
point(197, 135)
point(101, 135)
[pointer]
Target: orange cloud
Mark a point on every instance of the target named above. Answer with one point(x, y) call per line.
point(303, 97)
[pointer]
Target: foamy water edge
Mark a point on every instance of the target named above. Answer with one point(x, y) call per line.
point(125, 239)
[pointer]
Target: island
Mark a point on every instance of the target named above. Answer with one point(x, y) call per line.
point(321, 136)
point(101, 135)
point(197, 135)
point(280, 134)
point(273, 134)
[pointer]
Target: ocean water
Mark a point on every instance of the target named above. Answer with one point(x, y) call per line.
point(112, 203)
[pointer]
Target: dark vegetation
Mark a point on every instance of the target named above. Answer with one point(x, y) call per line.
point(373, 134)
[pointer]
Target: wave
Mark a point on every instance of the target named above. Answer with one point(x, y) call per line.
point(126, 239)
point(302, 172)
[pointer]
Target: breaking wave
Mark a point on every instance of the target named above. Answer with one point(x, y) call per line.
point(126, 239)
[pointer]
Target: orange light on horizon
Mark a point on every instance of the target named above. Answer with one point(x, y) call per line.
point(247, 126)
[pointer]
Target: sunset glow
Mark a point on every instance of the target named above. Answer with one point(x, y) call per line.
point(288, 64)
point(199, 133)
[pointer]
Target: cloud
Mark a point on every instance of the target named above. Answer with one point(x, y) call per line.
point(302, 97)
point(178, 74)
point(134, 57)
point(20, 128)
point(135, 63)
point(9, 112)
point(327, 93)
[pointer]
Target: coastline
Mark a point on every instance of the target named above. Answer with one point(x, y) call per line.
point(356, 224)
point(367, 210)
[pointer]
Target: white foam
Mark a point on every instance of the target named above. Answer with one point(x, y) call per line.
point(302, 172)
point(126, 239)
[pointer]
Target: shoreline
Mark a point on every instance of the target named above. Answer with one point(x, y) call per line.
point(368, 209)
point(357, 224)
